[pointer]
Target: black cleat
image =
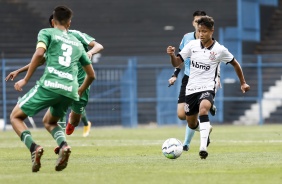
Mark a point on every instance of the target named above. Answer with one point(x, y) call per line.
point(62, 161)
point(203, 154)
point(185, 148)
point(213, 110)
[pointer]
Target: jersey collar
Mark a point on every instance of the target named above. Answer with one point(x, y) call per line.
point(210, 47)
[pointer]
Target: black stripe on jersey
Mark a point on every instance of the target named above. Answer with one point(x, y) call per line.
point(231, 60)
point(180, 57)
point(216, 73)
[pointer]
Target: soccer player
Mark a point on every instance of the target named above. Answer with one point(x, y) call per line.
point(205, 55)
point(56, 89)
point(189, 133)
point(78, 107)
point(78, 112)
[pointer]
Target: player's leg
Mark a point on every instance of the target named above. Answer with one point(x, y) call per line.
point(17, 120)
point(77, 109)
point(86, 124)
point(73, 121)
point(189, 133)
point(28, 106)
point(206, 101)
point(52, 116)
point(62, 122)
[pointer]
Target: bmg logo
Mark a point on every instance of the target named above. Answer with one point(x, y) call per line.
point(201, 66)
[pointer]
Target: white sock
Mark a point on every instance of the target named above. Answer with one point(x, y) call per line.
point(204, 134)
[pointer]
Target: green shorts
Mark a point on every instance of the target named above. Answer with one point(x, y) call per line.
point(39, 98)
point(78, 106)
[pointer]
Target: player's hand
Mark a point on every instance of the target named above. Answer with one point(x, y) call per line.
point(21, 83)
point(12, 76)
point(171, 81)
point(79, 92)
point(89, 55)
point(170, 50)
point(245, 87)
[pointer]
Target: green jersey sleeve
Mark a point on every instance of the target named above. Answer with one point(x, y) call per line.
point(84, 38)
point(84, 59)
point(44, 36)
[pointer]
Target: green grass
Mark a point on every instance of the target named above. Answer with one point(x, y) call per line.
point(237, 155)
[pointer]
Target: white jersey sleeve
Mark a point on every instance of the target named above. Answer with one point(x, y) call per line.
point(226, 56)
point(186, 51)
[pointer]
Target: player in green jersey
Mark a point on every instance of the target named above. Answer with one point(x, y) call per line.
point(56, 89)
point(78, 107)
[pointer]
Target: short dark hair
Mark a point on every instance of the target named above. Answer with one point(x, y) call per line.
point(206, 21)
point(62, 14)
point(50, 20)
point(199, 13)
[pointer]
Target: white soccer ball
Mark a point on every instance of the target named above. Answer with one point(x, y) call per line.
point(172, 148)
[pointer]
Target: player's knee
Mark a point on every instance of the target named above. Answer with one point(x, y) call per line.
point(203, 111)
point(181, 115)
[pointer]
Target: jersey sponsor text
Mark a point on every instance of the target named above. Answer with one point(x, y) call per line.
point(71, 42)
point(200, 66)
point(60, 73)
point(55, 84)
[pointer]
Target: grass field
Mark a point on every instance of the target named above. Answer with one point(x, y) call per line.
point(237, 155)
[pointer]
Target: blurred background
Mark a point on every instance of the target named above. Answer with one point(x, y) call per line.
point(132, 71)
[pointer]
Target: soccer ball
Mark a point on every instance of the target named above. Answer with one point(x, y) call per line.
point(172, 148)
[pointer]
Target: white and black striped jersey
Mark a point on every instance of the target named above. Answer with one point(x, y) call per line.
point(204, 64)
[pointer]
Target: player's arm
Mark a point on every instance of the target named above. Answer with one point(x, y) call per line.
point(175, 60)
point(90, 74)
point(244, 86)
point(174, 75)
point(34, 63)
point(96, 48)
point(15, 73)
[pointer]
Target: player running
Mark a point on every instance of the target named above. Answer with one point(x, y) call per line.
point(205, 55)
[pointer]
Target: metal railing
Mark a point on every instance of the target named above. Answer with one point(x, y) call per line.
point(136, 92)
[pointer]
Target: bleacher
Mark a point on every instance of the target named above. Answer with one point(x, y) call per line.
point(125, 28)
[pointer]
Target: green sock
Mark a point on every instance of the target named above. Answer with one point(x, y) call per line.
point(63, 125)
point(59, 135)
point(84, 118)
point(26, 138)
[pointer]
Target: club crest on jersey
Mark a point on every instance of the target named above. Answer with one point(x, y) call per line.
point(212, 56)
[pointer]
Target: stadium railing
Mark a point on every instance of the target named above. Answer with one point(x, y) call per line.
point(134, 92)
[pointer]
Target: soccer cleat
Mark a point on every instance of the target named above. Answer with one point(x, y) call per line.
point(208, 142)
point(69, 129)
point(63, 158)
point(213, 110)
point(57, 150)
point(86, 129)
point(203, 154)
point(35, 158)
point(185, 148)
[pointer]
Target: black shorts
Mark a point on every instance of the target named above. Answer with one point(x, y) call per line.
point(181, 97)
point(193, 101)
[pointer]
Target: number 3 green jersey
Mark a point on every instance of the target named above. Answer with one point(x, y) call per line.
point(63, 54)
